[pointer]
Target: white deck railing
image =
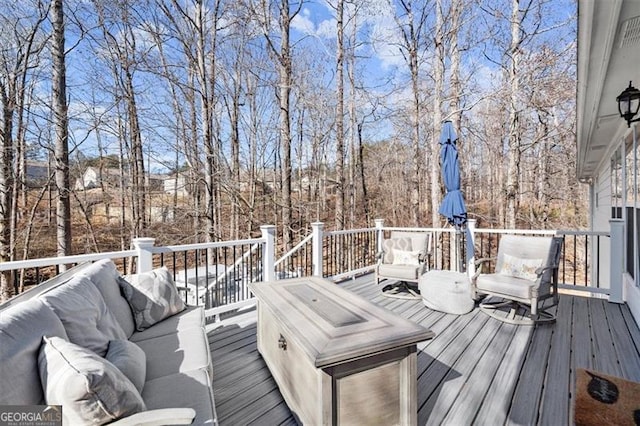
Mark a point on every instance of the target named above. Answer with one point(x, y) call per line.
point(217, 274)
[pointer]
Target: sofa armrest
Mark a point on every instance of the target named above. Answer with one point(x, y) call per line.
point(162, 416)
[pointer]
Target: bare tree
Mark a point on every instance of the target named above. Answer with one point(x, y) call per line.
point(61, 121)
point(339, 210)
point(412, 22)
point(281, 52)
point(513, 155)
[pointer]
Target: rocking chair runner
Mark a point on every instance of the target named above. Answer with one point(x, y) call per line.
point(403, 259)
point(525, 277)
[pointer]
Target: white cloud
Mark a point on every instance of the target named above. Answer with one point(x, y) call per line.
point(312, 24)
point(386, 38)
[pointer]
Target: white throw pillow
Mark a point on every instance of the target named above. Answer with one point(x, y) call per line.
point(519, 267)
point(152, 296)
point(405, 257)
point(90, 389)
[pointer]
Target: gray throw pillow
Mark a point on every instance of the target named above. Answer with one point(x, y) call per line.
point(130, 359)
point(90, 389)
point(152, 296)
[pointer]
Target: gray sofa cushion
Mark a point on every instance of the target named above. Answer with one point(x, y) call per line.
point(130, 360)
point(152, 296)
point(21, 330)
point(503, 284)
point(399, 272)
point(84, 314)
point(191, 317)
point(188, 389)
point(104, 275)
point(91, 389)
point(173, 353)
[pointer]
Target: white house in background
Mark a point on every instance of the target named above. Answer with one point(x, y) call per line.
point(176, 183)
point(608, 155)
point(93, 178)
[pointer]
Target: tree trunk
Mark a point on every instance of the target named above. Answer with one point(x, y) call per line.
point(513, 165)
point(137, 169)
point(438, 63)
point(63, 208)
point(284, 71)
point(6, 189)
point(340, 117)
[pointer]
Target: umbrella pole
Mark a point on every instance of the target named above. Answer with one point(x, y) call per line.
point(459, 261)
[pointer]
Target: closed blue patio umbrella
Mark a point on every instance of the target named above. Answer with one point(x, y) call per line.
point(452, 207)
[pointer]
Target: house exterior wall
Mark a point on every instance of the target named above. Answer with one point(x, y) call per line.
point(600, 206)
point(615, 189)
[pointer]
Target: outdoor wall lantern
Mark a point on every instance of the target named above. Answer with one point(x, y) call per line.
point(629, 103)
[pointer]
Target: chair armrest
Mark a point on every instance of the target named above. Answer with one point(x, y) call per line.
point(380, 255)
point(162, 416)
point(484, 260)
point(478, 263)
point(539, 271)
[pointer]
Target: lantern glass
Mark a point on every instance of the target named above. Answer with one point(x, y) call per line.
point(629, 103)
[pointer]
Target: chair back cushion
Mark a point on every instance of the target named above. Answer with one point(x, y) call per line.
point(420, 241)
point(514, 266)
point(524, 252)
point(86, 318)
point(391, 244)
point(104, 275)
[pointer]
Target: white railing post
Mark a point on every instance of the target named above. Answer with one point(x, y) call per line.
point(269, 253)
point(471, 241)
point(145, 255)
point(379, 234)
point(317, 229)
point(616, 259)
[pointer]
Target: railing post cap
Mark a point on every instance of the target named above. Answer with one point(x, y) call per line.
point(144, 241)
point(318, 224)
point(267, 227)
point(379, 222)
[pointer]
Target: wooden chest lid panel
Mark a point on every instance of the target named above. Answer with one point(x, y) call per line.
point(333, 325)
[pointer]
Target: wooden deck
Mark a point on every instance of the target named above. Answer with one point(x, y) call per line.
point(477, 370)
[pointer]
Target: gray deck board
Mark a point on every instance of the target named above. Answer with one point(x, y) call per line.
point(630, 365)
point(476, 370)
point(602, 341)
point(524, 405)
point(552, 405)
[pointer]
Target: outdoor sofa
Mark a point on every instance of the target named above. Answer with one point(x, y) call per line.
point(106, 350)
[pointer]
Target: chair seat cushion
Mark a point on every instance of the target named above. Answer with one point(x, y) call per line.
point(190, 389)
point(174, 353)
point(500, 284)
point(400, 272)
